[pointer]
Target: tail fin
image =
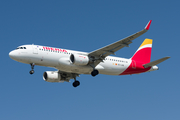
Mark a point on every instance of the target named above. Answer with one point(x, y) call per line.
point(143, 54)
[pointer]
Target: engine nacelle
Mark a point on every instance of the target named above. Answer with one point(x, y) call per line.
point(79, 59)
point(52, 76)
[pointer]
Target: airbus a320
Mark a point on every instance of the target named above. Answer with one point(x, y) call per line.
point(70, 64)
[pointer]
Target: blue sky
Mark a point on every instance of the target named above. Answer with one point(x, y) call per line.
point(86, 26)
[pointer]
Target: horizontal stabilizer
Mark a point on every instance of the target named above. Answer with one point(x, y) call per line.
point(155, 62)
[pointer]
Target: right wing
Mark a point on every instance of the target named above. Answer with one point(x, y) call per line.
point(99, 54)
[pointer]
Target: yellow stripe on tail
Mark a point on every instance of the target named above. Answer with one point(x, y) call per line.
point(146, 42)
point(143, 54)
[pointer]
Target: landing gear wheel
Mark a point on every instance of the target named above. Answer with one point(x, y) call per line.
point(31, 72)
point(94, 73)
point(76, 83)
point(32, 67)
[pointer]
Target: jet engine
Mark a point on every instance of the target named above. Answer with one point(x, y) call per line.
point(52, 76)
point(77, 59)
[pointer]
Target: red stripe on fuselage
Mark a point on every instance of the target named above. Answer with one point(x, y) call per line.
point(140, 58)
point(135, 68)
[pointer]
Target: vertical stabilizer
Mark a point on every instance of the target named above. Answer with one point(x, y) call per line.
point(143, 54)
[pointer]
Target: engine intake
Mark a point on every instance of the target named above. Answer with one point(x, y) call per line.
point(52, 76)
point(77, 59)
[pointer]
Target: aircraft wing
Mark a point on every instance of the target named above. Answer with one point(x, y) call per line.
point(99, 54)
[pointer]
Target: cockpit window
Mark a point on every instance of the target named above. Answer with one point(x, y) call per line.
point(21, 48)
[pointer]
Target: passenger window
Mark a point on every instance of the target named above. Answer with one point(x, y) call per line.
point(24, 47)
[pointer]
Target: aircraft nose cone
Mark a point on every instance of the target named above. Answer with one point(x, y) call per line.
point(12, 54)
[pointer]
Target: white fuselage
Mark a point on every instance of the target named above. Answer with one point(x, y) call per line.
point(60, 59)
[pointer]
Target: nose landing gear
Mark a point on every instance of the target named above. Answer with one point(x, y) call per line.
point(32, 68)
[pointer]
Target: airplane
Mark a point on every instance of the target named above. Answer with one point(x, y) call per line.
point(70, 64)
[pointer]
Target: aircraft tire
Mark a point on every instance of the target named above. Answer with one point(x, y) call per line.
point(76, 83)
point(31, 72)
point(94, 73)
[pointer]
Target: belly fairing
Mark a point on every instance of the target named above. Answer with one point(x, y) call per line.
point(66, 65)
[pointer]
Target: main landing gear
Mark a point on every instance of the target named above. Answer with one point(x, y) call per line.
point(94, 72)
point(32, 68)
point(76, 82)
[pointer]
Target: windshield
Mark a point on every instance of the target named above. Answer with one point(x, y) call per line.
point(21, 48)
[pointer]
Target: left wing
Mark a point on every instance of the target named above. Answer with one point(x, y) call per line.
point(98, 55)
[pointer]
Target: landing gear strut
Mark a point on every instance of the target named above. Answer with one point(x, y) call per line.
point(32, 68)
point(76, 82)
point(94, 72)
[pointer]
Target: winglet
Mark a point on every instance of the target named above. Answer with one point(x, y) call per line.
point(148, 25)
